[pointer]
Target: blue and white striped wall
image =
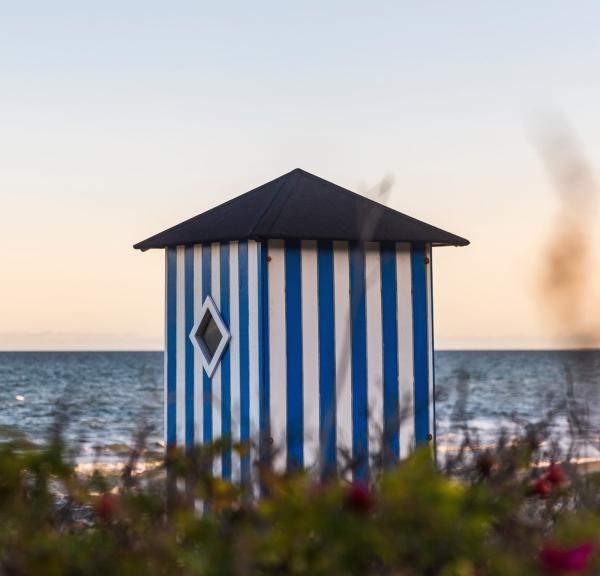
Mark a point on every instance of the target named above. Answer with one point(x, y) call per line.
point(331, 350)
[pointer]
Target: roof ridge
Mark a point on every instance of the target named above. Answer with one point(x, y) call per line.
point(267, 209)
point(285, 199)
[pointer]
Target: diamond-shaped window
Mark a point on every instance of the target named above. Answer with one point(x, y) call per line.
point(210, 335)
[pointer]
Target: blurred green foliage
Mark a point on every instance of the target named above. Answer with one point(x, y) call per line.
point(497, 513)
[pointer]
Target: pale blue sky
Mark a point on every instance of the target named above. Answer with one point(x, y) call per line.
point(119, 119)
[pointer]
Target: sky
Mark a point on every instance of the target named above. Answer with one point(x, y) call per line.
point(120, 119)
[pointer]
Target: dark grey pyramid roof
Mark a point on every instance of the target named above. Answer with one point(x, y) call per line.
point(299, 205)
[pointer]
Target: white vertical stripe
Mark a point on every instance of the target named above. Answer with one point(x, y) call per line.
point(343, 353)
point(405, 350)
point(198, 370)
point(310, 352)
point(180, 347)
point(253, 340)
point(234, 344)
point(277, 352)
point(428, 280)
point(215, 277)
point(374, 346)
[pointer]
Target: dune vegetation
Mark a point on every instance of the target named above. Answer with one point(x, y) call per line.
point(513, 508)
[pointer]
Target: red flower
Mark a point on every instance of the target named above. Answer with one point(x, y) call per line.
point(541, 487)
point(105, 507)
point(562, 560)
point(555, 475)
point(359, 498)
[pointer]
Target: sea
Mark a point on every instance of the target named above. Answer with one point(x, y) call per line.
point(103, 401)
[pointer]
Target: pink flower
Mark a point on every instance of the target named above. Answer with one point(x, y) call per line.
point(562, 560)
point(359, 498)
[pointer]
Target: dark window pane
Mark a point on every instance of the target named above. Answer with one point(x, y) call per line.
point(211, 337)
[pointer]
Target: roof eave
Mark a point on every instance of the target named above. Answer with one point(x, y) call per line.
point(153, 243)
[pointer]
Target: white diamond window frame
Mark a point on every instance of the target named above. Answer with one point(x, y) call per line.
point(209, 309)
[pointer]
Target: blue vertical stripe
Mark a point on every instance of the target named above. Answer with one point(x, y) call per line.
point(244, 361)
point(358, 323)
point(434, 431)
point(189, 347)
point(171, 289)
point(420, 342)
point(263, 355)
point(327, 402)
point(207, 382)
point(293, 339)
point(225, 363)
point(389, 307)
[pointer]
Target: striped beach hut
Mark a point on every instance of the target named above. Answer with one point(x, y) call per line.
point(299, 319)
